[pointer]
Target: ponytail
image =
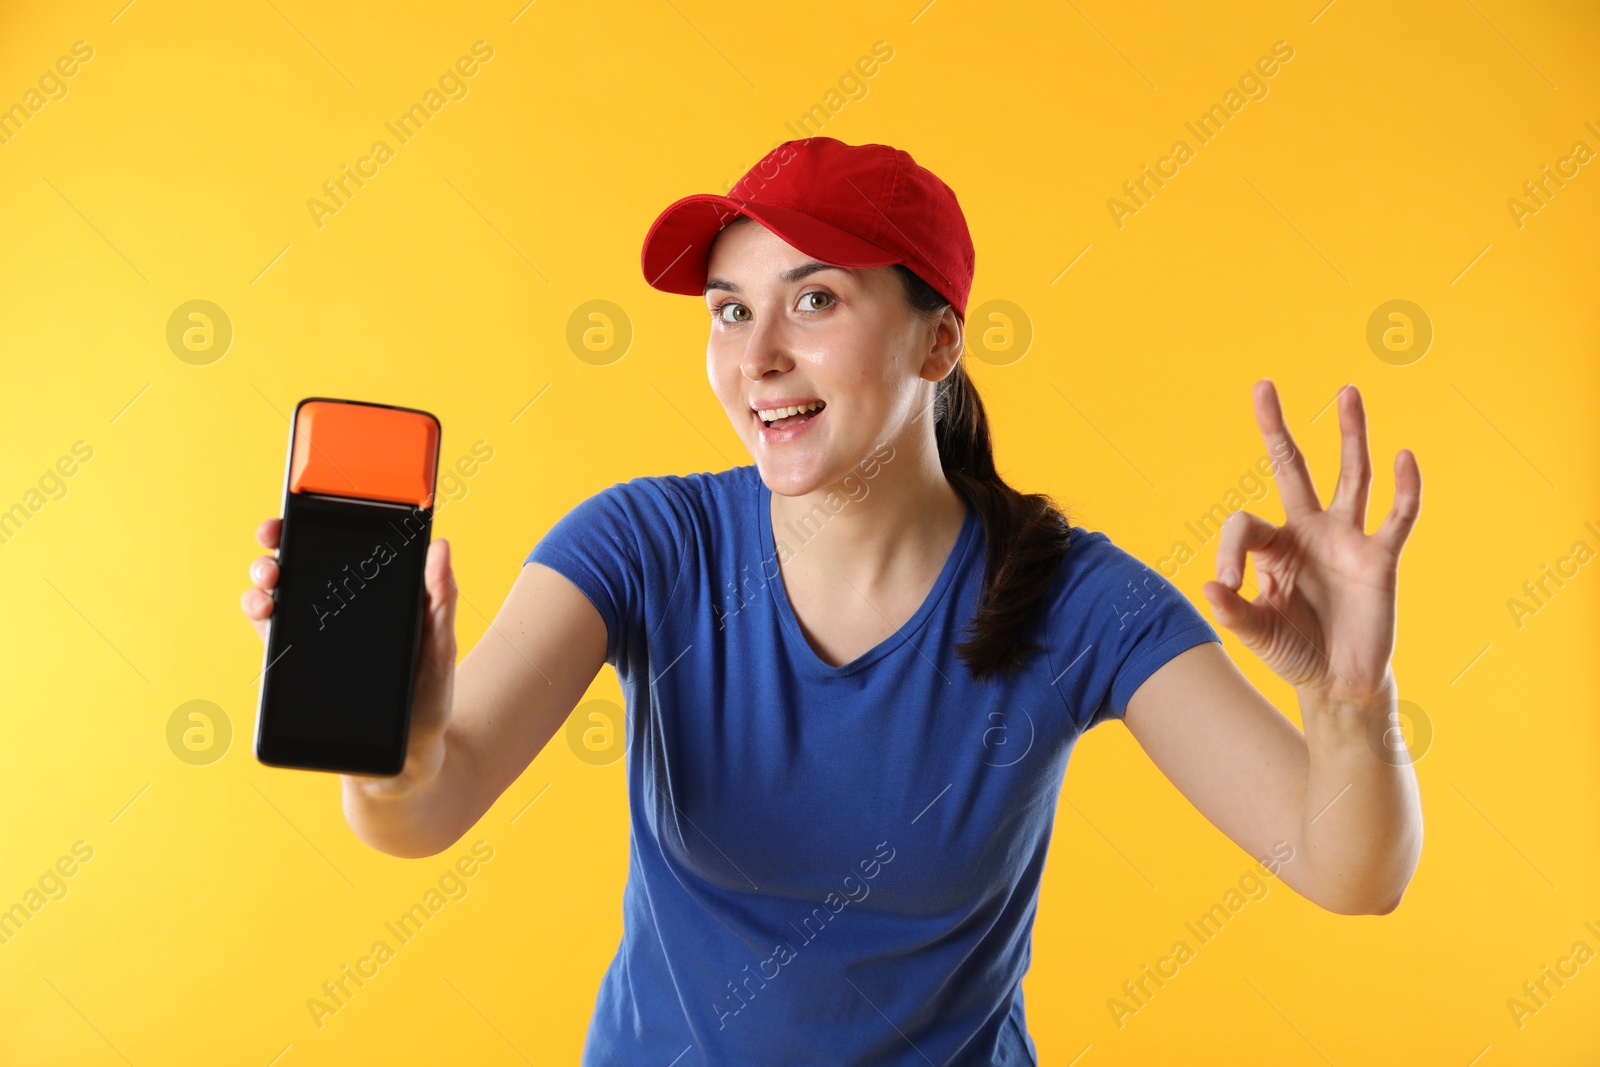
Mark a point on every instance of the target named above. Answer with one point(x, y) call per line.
point(1027, 533)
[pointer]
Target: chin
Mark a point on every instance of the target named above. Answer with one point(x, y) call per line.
point(783, 479)
point(794, 475)
point(815, 461)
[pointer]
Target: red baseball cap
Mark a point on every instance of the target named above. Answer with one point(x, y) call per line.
point(849, 205)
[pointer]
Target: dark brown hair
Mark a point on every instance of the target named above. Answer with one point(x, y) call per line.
point(1027, 532)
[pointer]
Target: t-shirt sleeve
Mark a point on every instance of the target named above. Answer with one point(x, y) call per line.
point(623, 547)
point(1116, 621)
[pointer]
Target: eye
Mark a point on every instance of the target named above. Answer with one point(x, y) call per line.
point(815, 292)
point(716, 312)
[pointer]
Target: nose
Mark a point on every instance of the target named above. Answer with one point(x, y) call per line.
point(765, 350)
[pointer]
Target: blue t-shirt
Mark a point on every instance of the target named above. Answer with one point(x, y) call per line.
point(833, 865)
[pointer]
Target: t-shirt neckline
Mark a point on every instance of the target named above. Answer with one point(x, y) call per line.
point(954, 564)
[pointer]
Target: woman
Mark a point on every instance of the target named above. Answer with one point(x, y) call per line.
point(855, 670)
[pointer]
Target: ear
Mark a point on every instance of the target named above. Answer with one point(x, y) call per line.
point(945, 346)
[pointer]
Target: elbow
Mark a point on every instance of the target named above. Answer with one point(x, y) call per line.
point(1385, 909)
point(1399, 893)
point(1410, 857)
point(411, 820)
point(406, 835)
point(407, 850)
point(407, 842)
point(1394, 898)
point(1353, 907)
point(1365, 903)
point(1379, 890)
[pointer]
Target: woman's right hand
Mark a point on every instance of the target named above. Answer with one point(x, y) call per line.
point(436, 666)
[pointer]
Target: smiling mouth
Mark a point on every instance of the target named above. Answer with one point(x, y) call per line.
point(791, 417)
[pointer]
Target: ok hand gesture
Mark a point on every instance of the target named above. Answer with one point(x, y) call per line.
point(1324, 616)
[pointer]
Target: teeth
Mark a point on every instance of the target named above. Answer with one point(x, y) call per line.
point(774, 414)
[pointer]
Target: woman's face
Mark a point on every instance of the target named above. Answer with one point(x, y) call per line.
point(786, 330)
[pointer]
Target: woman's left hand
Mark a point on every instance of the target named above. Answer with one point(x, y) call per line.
point(1324, 619)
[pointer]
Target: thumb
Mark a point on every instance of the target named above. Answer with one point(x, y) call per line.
point(440, 622)
point(1249, 622)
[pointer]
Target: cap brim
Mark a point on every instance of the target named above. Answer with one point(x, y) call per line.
point(677, 248)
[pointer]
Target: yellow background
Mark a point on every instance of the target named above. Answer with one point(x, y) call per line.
point(178, 167)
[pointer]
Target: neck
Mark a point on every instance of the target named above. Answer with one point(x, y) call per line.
point(891, 519)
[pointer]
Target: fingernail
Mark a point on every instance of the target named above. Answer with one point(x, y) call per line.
point(258, 570)
point(1230, 578)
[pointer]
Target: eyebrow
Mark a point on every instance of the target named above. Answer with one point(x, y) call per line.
point(802, 271)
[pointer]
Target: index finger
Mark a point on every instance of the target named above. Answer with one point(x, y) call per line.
point(1299, 492)
point(267, 533)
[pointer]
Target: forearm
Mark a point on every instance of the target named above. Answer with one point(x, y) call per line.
point(418, 813)
point(1362, 822)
